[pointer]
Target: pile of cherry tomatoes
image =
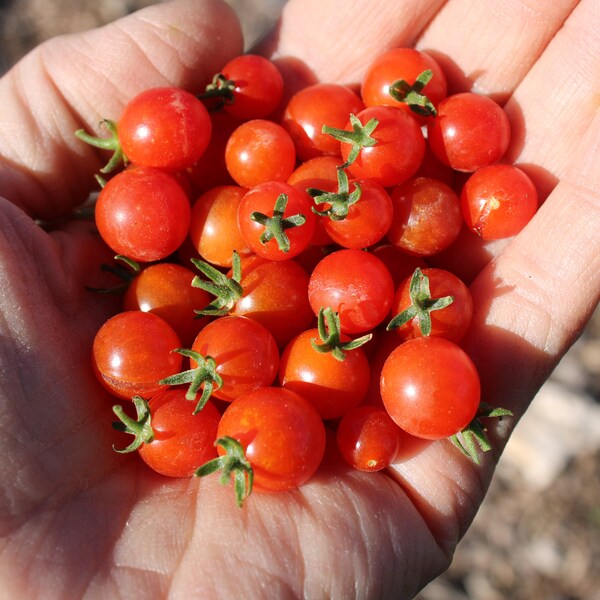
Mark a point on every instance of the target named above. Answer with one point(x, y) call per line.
point(285, 264)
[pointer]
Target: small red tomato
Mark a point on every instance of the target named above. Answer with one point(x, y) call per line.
point(182, 440)
point(367, 438)
point(470, 131)
point(143, 214)
point(133, 351)
point(281, 433)
point(166, 128)
point(430, 387)
point(498, 201)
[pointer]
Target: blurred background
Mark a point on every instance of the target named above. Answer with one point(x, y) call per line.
point(537, 535)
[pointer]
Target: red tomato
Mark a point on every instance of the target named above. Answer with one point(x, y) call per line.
point(311, 108)
point(166, 128)
point(332, 386)
point(276, 295)
point(263, 199)
point(430, 387)
point(182, 440)
point(214, 229)
point(400, 264)
point(165, 289)
point(259, 151)
point(282, 434)
point(406, 64)
point(367, 438)
point(245, 352)
point(427, 216)
point(143, 214)
point(356, 285)
point(470, 131)
point(133, 351)
point(498, 201)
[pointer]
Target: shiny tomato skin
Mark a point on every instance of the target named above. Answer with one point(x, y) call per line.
point(470, 131)
point(276, 295)
point(245, 352)
point(214, 229)
point(182, 440)
point(165, 289)
point(367, 438)
point(430, 387)
point(398, 151)
point(167, 128)
point(282, 434)
point(311, 108)
point(498, 201)
point(262, 199)
point(143, 213)
point(356, 285)
point(332, 386)
point(133, 351)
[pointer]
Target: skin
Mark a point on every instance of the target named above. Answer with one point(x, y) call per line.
point(77, 520)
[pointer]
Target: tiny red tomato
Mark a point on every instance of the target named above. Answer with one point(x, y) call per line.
point(430, 387)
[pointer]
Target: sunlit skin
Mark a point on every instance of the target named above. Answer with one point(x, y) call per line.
point(76, 518)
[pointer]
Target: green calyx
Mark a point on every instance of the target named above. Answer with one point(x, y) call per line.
point(125, 268)
point(328, 324)
point(233, 463)
point(422, 304)
point(226, 289)
point(413, 96)
point(221, 88)
point(276, 225)
point(110, 143)
point(359, 138)
point(140, 428)
point(473, 439)
point(204, 376)
point(339, 201)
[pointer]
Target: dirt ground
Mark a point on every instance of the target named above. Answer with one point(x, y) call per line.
point(537, 536)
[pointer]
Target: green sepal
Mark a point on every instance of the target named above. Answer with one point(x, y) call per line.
point(204, 375)
point(276, 225)
point(111, 143)
point(235, 463)
point(221, 88)
point(340, 201)
point(422, 304)
point(329, 327)
point(359, 138)
point(140, 428)
point(226, 289)
point(473, 438)
point(126, 272)
point(412, 95)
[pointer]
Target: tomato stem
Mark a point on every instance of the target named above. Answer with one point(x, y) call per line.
point(412, 95)
point(329, 327)
point(140, 428)
point(126, 272)
point(221, 88)
point(359, 138)
point(110, 143)
point(339, 201)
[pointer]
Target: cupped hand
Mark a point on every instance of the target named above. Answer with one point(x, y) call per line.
point(76, 520)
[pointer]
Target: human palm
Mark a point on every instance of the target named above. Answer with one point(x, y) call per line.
point(78, 520)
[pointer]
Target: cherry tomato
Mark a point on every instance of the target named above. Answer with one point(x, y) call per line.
point(400, 264)
point(276, 295)
point(288, 241)
point(427, 216)
point(406, 64)
point(259, 151)
point(367, 438)
point(166, 128)
point(356, 285)
point(332, 386)
point(133, 351)
point(470, 131)
point(311, 108)
point(182, 440)
point(165, 289)
point(282, 434)
point(143, 214)
point(245, 353)
point(430, 387)
point(498, 201)
point(214, 229)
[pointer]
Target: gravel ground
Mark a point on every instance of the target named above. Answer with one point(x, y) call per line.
point(537, 536)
